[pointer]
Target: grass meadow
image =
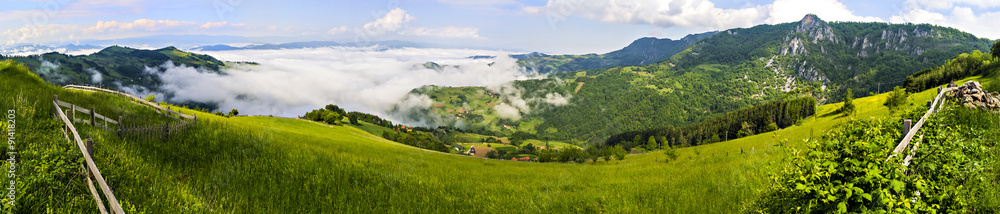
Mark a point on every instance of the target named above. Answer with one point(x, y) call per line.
point(279, 165)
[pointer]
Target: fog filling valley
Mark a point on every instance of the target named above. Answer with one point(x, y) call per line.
point(292, 82)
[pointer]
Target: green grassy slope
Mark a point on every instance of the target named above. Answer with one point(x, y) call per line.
point(267, 165)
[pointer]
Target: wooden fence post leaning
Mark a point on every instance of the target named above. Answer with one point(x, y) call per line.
point(906, 126)
point(90, 147)
point(92, 116)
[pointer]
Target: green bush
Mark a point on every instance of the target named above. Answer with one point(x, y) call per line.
point(846, 171)
point(897, 97)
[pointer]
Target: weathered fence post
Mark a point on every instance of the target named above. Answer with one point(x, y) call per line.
point(120, 124)
point(92, 116)
point(929, 103)
point(73, 111)
point(90, 147)
point(55, 97)
point(906, 126)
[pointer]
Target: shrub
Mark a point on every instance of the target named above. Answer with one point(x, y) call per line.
point(897, 97)
point(848, 107)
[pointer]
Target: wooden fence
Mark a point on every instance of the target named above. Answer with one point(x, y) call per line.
point(909, 133)
point(94, 116)
point(91, 168)
point(156, 107)
point(68, 116)
point(155, 131)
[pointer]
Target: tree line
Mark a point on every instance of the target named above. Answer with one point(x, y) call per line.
point(740, 123)
point(963, 65)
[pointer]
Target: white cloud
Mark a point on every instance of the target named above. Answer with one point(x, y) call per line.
point(699, 14)
point(108, 29)
point(392, 21)
point(961, 18)
point(140, 24)
point(210, 25)
point(507, 111)
point(783, 11)
point(946, 4)
point(337, 30)
point(672, 13)
point(151, 25)
point(95, 76)
point(291, 82)
point(513, 101)
point(493, 5)
point(446, 32)
point(395, 20)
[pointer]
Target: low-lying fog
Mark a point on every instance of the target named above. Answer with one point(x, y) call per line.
point(293, 81)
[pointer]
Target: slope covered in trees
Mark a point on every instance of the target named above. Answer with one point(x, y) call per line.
point(642, 51)
point(113, 66)
point(762, 118)
point(743, 67)
point(963, 65)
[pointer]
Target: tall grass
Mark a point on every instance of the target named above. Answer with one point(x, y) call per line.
point(277, 165)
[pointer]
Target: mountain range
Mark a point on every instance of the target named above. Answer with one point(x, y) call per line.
point(729, 70)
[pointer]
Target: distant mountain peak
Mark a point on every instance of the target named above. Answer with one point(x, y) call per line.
point(170, 48)
point(810, 18)
point(811, 21)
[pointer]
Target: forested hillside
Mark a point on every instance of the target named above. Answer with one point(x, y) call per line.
point(762, 118)
point(867, 57)
point(642, 51)
point(113, 67)
point(743, 67)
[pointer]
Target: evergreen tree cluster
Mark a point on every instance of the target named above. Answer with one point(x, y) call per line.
point(758, 119)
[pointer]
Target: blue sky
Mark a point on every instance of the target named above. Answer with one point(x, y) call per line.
point(554, 26)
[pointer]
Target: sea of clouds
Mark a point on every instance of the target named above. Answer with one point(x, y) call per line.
point(291, 82)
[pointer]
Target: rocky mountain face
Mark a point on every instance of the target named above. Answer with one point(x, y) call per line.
point(867, 57)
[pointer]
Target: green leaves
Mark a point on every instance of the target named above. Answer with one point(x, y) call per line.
point(898, 186)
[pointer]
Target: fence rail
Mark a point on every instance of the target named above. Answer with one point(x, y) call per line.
point(163, 131)
point(154, 105)
point(911, 132)
point(91, 167)
point(85, 111)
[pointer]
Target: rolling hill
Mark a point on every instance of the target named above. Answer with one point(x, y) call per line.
point(113, 67)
